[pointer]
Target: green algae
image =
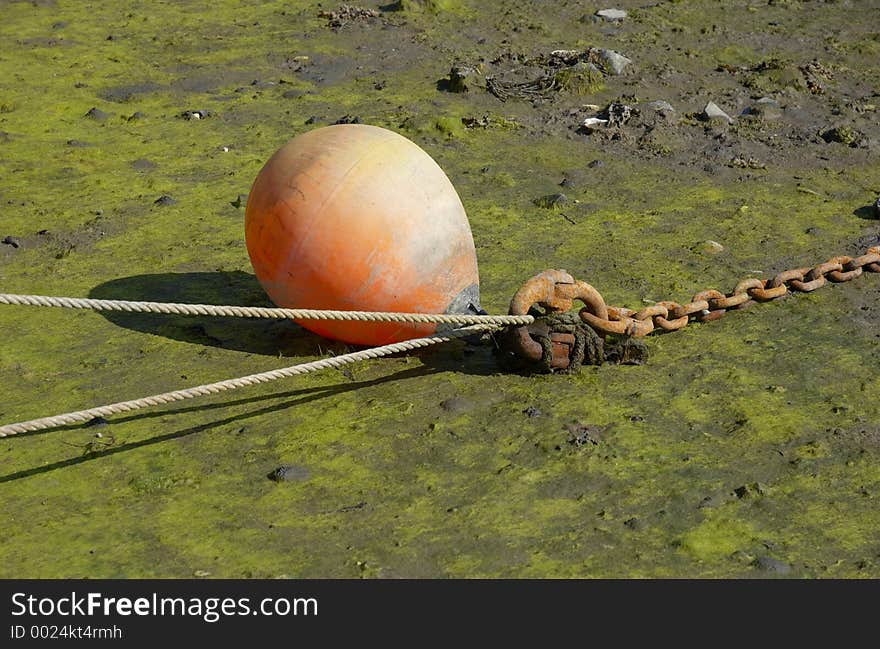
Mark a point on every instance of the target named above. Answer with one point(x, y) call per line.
point(784, 394)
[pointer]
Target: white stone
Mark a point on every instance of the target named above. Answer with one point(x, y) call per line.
point(615, 60)
point(661, 106)
point(611, 14)
point(712, 111)
point(591, 123)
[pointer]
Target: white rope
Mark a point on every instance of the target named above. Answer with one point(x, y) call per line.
point(259, 312)
point(231, 384)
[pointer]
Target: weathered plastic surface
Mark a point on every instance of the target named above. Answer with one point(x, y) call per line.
point(359, 218)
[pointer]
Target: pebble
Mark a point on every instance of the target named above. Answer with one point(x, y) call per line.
point(612, 14)
point(531, 412)
point(164, 199)
point(770, 564)
point(595, 164)
point(661, 106)
point(750, 490)
point(842, 135)
point(592, 123)
point(195, 114)
point(551, 201)
point(712, 111)
point(15, 242)
point(710, 247)
point(615, 61)
point(458, 78)
point(97, 114)
point(348, 119)
point(289, 473)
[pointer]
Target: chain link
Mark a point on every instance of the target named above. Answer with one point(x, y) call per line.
point(555, 290)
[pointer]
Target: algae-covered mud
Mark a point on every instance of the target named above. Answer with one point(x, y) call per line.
point(130, 134)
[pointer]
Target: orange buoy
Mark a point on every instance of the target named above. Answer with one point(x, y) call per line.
point(358, 218)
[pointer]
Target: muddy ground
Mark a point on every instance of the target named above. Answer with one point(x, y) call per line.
point(746, 447)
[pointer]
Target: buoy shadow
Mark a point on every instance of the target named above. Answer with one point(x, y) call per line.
point(253, 335)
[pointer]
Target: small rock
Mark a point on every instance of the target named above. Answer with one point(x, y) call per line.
point(842, 135)
point(712, 111)
point(289, 473)
point(661, 106)
point(164, 199)
point(15, 242)
point(77, 143)
point(709, 247)
point(750, 490)
point(769, 564)
point(201, 573)
point(551, 201)
point(595, 164)
point(458, 77)
point(97, 114)
point(592, 123)
point(615, 62)
point(348, 119)
point(612, 14)
point(582, 434)
point(195, 114)
point(531, 412)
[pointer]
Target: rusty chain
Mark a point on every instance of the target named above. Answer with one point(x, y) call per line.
point(555, 291)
